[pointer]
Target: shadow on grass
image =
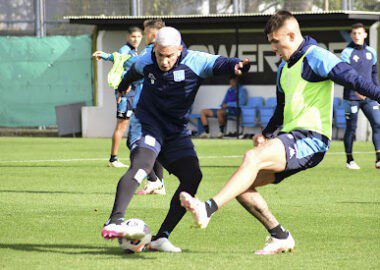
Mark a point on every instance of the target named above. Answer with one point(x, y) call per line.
point(53, 192)
point(73, 250)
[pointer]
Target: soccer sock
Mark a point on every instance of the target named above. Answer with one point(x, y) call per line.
point(278, 232)
point(158, 170)
point(211, 207)
point(152, 177)
point(113, 158)
point(377, 156)
point(206, 128)
point(349, 158)
point(142, 160)
point(221, 128)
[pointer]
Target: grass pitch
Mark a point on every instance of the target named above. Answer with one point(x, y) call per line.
point(55, 194)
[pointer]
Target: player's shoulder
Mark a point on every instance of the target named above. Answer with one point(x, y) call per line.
point(143, 61)
point(371, 50)
point(199, 56)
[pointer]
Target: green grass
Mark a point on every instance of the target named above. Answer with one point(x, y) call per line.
point(52, 211)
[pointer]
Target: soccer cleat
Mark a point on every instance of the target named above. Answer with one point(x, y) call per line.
point(195, 207)
point(220, 135)
point(274, 246)
point(113, 230)
point(117, 164)
point(204, 135)
point(164, 245)
point(156, 187)
point(352, 165)
point(377, 165)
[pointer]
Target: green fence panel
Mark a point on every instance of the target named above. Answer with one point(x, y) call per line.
point(37, 74)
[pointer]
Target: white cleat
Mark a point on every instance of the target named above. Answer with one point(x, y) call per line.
point(220, 135)
point(113, 230)
point(195, 207)
point(204, 135)
point(117, 164)
point(164, 245)
point(274, 246)
point(377, 165)
point(156, 187)
point(352, 165)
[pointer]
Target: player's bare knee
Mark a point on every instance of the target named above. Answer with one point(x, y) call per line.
point(251, 159)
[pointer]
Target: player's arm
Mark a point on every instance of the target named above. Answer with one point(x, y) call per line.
point(375, 75)
point(102, 55)
point(345, 75)
point(277, 118)
point(131, 76)
point(328, 66)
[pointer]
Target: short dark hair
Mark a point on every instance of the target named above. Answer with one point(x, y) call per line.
point(276, 21)
point(154, 23)
point(133, 29)
point(357, 25)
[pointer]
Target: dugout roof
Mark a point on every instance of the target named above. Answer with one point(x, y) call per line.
point(223, 21)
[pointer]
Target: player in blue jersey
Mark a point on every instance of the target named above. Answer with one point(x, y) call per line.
point(172, 76)
point(124, 103)
point(363, 59)
point(155, 180)
point(304, 113)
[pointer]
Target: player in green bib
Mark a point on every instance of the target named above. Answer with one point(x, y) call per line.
point(304, 111)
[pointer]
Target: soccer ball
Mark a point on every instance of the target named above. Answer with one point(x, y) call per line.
point(135, 246)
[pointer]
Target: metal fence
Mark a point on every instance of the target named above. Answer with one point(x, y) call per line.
point(45, 17)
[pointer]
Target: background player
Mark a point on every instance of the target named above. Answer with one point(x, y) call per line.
point(124, 104)
point(364, 60)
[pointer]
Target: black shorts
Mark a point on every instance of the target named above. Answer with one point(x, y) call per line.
point(304, 149)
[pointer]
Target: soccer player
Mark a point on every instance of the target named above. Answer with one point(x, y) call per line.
point(155, 180)
point(304, 110)
point(172, 76)
point(364, 60)
point(124, 104)
point(228, 107)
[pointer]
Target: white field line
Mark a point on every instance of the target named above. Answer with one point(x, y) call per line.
point(105, 159)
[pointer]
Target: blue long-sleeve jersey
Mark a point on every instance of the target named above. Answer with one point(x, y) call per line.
point(167, 96)
point(319, 65)
point(364, 60)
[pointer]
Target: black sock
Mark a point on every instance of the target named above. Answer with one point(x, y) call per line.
point(160, 235)
point(349, 158)
point(211, 207)
point(278, 232)
point(377, 156)
point(221, 128)
point(113, 158)
point(206, 128)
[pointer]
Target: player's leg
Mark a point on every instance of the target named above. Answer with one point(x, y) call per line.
point(351, 110)
point(121, 127)
point(188, 172)
point(142, 160)
point(123, 113)
point(222, 117)
point(179, 158)
point(205, 113)
point(280, 240)
point(371, 110)
point(155, 181)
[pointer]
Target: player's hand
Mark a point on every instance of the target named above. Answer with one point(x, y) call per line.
point(239, 66)
point(97, 55)
point(259, 140)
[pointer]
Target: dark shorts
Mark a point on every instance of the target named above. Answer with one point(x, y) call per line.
point(124, 108)
point(304, 149)
point(173, 148)
point(229, 111)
